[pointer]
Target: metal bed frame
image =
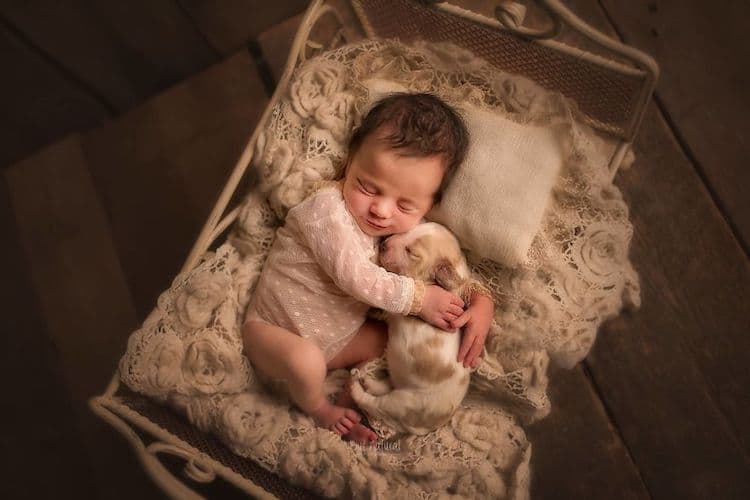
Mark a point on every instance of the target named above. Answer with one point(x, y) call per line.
point(612, 85)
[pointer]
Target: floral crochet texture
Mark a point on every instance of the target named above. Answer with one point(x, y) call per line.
point(188, 353)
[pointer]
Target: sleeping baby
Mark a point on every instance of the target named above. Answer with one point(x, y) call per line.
point(308, 312)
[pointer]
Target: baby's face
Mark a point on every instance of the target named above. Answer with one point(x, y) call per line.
point(387, 192)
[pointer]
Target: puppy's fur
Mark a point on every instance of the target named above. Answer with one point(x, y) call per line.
point(428, 382)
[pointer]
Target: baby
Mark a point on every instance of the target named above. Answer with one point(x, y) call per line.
point(308, 313)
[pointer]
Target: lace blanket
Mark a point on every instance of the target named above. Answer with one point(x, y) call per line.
point(577, 274)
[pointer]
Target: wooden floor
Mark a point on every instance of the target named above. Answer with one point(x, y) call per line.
point(97, 224)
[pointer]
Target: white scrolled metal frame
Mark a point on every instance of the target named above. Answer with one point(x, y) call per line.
point(509, 16)
point(199, 467)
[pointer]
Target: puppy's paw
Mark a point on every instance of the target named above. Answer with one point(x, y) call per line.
point(377, 387)
point(358, 375)
point(358, 393)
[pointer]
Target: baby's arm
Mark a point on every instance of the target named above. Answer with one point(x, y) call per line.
point(366, 281)
point(477, 319)
point(333, 241)
point(339, 250)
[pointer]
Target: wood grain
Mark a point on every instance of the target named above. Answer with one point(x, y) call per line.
point(123, 52)
point(276, 42)
point(675, 374)
point(83, 300)
point(37, 419)
point(704, 54)
point(39, 104)
point(577, 452)
point(159, 169)
point(229, 25)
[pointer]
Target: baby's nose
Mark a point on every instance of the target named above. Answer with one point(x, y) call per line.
point(380, 209)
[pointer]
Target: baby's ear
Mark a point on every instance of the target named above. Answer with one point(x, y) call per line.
point(445, 275)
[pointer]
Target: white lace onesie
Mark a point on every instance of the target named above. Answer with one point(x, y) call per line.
point(321, 275)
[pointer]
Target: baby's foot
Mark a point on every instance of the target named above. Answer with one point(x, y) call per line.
point(362, 435)
point(335, 418)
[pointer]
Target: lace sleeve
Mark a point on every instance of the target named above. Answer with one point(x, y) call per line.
point(343, 252)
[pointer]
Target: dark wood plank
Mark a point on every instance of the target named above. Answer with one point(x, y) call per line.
point(123, 52)
point(39, 104)
point(577, 453)
point(701, 263)
point(83, 299)
point(704, 54)
point(229, 25)
point(37, 419)
point(675, 374)
point(678, 394)
point(276, 42)
point(160, 168)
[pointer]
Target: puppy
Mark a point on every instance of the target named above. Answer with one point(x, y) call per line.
point(428, 383)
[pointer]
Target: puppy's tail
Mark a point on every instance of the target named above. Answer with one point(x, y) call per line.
point(399, 409)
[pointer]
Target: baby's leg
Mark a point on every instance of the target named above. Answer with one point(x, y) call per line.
point(368, 343)
point(281, 354)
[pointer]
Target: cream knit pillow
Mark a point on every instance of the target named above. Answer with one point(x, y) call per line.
point(496, 200)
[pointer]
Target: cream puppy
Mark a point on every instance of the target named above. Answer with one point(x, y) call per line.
point(428, 383)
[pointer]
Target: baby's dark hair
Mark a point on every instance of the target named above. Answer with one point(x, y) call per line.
point(422, 125)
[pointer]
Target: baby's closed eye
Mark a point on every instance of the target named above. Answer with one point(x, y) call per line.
point(406, 206)
point(367, 188)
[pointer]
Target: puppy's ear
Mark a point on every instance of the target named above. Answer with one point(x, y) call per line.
point(445, 275)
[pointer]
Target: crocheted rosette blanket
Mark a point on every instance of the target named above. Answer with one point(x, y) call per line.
point(188, 353)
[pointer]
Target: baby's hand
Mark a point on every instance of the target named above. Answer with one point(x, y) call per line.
point(477, 318)
point(440, 307)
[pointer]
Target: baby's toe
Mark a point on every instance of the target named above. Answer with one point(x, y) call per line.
point(339, 428)
point(362, 435)
point(347, 423)
point(369, 434)
point(352, 415)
